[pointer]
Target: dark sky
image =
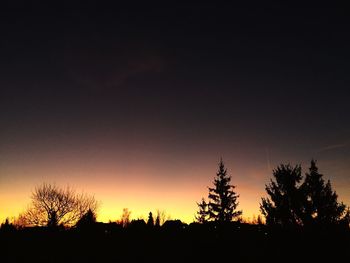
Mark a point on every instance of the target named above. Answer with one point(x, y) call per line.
point(172, 86)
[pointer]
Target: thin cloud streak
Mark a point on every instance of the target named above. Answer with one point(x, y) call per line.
point(334, 147)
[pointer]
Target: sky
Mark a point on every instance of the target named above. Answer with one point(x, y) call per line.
point(136, 104)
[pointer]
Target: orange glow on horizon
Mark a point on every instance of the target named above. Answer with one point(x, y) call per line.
point(141, 189)
point(177, 197)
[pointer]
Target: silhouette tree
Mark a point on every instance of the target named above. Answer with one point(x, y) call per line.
point(284, 204)
point(321, 206)
point(7, 226)
point(161, 217)
point(150, 221)
point(157, 223)
point(125, 218)
point(202, 213)
point(52, 206)
point(87, 220)
point(222, 198)
point(259, 220)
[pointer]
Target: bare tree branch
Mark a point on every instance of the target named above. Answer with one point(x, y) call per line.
point(52, 206)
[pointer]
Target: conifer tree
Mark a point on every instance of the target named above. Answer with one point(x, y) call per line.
point(321, 206)
point(150, 220)
point(202, 213)
point(222, 198)
point(284, 204)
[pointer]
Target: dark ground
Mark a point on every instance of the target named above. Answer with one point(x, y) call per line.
point(174, 243)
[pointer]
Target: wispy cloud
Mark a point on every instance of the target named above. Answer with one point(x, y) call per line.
point(335, 146)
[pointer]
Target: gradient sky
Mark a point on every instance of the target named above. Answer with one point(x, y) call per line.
point(136, 104)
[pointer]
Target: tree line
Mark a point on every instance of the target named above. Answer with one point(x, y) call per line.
point(292, 200)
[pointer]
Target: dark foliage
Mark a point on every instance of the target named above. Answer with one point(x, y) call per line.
point(157, 224)
point(87, 220)
point(7, 226)
point(283, 207)
point(150, 220)
point(309, 203)
point(321, 206)
point(203, 213)
point(222, 198)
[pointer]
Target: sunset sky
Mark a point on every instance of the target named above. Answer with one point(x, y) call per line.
point(136, 104)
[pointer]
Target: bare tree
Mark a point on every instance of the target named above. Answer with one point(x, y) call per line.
point(53, 206)
point(125, 217)
point(162, 217)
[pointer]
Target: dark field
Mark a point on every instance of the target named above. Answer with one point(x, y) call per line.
point(175, 243)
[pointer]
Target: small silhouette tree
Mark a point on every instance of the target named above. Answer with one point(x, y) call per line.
point(7, 226)
point(222, 198)
point(283, 206)
point(202, 213)
point(161, 217)
point(87, 220)
point(157, 224)
point(125, 218)
point(150, 220)
point(321, 206)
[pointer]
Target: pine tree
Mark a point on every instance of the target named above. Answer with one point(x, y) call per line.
point(150, 221)
point(321, 206)
point(202, 213)
point(222, 198)
point(284, 205)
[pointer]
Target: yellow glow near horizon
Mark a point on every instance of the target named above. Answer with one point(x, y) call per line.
point(141, 189)
point(140, 196)
point(110, 210)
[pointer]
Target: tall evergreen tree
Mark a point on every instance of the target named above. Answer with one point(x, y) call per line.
point(202, 213)
point(150, 220)
point(284, 204)
point(222, 198)
point(321, 206)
